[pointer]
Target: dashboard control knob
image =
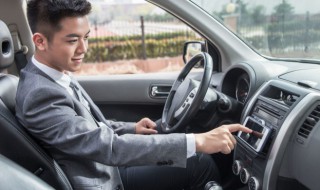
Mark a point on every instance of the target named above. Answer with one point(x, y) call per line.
point(244, 175)
point(212, 185)
point(253, 183)
point(236, 167)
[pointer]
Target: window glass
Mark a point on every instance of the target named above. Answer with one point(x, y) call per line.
point(131, 37)
point(287, 29)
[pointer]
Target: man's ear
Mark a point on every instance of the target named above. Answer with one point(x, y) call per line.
point(40, 41)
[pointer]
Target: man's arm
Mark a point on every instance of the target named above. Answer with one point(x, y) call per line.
point(51, 118)
point(219, 139)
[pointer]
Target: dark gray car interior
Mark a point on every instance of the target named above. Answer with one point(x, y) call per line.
point(280, 99)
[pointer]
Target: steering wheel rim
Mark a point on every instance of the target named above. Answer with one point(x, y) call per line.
point(182, 111)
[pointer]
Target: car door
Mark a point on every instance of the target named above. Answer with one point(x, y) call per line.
point(129, 97)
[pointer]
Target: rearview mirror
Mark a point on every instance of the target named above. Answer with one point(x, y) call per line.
point(192, 48)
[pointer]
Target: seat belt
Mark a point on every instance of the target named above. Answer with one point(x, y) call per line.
point(20, 60)
point(19, 49)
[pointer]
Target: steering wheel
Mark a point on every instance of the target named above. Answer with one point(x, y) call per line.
point(186, 95)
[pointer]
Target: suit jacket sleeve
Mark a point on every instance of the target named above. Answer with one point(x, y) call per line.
point(122, 127)
point(50, 115)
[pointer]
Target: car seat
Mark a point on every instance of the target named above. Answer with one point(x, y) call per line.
point(15, 142)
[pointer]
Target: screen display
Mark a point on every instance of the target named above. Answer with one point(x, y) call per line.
point(257, 138)
point(268, 116)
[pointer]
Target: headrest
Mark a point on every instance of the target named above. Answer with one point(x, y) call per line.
point(6, 46)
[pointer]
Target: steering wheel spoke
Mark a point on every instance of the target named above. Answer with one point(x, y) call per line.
point(186, 95)
point(176, 85)
point(185, 105)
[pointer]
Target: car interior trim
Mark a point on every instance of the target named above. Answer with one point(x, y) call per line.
point(278, 149)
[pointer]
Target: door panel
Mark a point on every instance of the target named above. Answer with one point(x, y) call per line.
point(129, 97)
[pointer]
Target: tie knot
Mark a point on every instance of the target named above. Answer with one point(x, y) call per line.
point(73, 85)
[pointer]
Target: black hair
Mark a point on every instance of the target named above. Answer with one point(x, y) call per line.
point(44, 16)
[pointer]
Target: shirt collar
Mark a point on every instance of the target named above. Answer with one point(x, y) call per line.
point(61, 78)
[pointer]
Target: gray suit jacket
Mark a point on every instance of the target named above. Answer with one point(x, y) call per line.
point(88, 154)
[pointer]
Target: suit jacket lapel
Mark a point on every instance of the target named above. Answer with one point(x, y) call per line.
point(94, 109)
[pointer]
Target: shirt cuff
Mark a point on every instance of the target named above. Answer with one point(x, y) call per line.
point(191, 145)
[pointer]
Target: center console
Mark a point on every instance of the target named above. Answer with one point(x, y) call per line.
point(264, 114)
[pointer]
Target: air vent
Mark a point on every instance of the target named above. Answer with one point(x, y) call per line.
point(309, 123)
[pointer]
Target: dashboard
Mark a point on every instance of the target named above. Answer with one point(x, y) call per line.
point(282, 106)
point(242, 88)
point(236, 84)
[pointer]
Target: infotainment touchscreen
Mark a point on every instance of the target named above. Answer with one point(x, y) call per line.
point(257, 138)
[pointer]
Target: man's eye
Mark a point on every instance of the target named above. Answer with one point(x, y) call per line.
point(72, 41)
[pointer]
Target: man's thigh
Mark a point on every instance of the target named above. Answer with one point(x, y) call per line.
point(200, 169)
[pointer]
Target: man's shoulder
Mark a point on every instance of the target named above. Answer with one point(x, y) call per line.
point(32, 81)
point(34, 77)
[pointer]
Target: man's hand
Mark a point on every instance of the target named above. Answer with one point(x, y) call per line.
point(145, 126)
point(219, 139)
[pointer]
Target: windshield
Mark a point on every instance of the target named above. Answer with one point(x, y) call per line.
point(274, 28)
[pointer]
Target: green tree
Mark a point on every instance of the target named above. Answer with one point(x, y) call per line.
point(283, 11)
point(258, 15)
point(160, 17)
point(242, 10)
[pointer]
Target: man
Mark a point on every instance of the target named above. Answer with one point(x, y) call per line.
point(90, 149)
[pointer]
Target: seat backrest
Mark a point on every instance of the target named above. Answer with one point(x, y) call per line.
point(15, 177)
point(15, 142)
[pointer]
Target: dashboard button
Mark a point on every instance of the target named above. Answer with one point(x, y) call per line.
point(236, 167)
point(244, 175)
point(253, 183)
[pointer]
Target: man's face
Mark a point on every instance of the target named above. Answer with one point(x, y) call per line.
point(65, 51)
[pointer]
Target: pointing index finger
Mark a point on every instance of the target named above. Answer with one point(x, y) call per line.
point(238, 127)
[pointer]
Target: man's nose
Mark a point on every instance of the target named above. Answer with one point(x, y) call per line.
point(83, 47)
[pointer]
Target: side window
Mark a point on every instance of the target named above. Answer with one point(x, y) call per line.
point(134, 38)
